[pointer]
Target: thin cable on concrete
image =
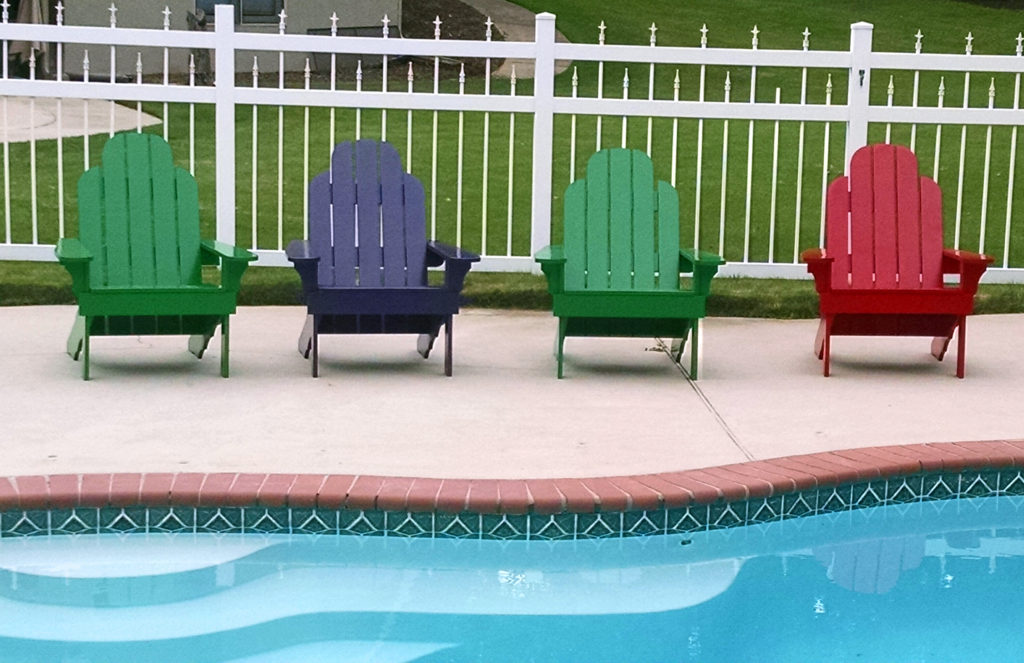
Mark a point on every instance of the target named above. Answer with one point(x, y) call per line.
point(667, 349)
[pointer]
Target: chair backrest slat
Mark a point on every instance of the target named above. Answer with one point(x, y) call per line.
point(367, 219)
point(620, 221)
point(615, 236)
point(596, 221)
point(884, 226)
point(139, 215)
point(931, 234)
point(668, 237)
point(340, 241)
point(368, 211)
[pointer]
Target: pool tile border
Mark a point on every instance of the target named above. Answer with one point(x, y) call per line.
point(565, 508)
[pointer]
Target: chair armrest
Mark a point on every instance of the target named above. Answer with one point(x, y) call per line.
point(551, 254)
point(298, 250)
point(305, 263)
point(76, 258)
point(71, 249)
point(970, 266)
point(704, 266)
point(456, 261)
point(232, 259)
point(552, 263)
point(819, 264)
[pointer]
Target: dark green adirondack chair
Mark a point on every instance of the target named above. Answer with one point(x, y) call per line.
point(618, 271)
point(136, 267)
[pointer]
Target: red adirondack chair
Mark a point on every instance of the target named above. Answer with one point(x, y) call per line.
point(880, 273)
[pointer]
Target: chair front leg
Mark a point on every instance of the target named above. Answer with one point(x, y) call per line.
point(448, 346)
point(315, 346)
point(224, 346)
point(961, 346)
point(827, 346)
point(694, 348)
point(85, 349)
point(560, 344)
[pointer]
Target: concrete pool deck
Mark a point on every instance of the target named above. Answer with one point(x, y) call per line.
point(383, 428)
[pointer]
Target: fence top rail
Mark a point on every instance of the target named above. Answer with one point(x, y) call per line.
point(698, 55)
point(257, 41)
point(948, 62)
point(106, 36)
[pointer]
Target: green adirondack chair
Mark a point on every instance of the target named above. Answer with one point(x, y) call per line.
point(618, 271)
point(136, 267)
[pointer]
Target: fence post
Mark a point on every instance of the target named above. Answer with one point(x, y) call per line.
point(543, 128)
point(857, 99)
point(224, 82)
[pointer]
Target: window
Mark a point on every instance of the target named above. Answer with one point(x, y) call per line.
point(246, 11)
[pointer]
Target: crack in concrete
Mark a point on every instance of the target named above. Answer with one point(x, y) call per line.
point(667, 349)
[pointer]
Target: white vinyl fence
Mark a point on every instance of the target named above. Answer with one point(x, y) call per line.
point(750, 137)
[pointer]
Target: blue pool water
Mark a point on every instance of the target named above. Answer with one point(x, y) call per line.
point(941, 581)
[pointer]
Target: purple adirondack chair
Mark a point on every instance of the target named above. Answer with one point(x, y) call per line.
point(364, 267)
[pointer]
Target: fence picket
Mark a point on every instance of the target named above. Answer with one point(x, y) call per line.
point(1013, 160)
point(963, 150)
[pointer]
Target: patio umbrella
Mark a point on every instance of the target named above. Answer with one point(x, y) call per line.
point(31, 11)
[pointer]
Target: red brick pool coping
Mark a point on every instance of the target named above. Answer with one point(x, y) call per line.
point(727, 483)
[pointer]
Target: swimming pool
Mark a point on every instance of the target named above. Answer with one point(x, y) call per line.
point(933, 581)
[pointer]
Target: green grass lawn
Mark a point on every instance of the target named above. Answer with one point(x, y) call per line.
point(462, 217)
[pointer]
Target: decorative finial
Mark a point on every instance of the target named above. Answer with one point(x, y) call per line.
point(488, 33)
point(600, 32)
point(113, 15)
point(167, 17)
point(728, 83)
point(1020, 43)
point(437, 27)
point(970, 43)
point(917, 41)
point(755, 32)
point(281, 23)
point(387, 22)
point(653, 30)
point(807, 38)
point(5, 6)
point(60, 12)
point(704, 36)
point(675, 82)
point(334, 24)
